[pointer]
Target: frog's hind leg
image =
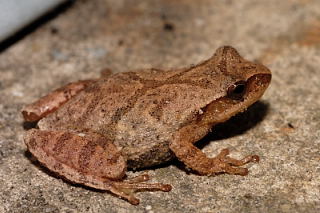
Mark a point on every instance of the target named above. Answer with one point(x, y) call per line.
point(87, 158)
point(51, 102)
point(191, 156)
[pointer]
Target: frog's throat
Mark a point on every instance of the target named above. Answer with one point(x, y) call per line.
point(224, 108)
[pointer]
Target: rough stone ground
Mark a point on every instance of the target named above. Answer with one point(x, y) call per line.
point(283, 128)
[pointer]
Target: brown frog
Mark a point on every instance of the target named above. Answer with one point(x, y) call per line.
point(91, 131)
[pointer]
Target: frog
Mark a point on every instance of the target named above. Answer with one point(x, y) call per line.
point(91, 132)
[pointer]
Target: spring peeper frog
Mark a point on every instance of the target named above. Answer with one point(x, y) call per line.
point(91, 131)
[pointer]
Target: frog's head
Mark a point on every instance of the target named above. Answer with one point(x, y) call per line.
point(245, 82)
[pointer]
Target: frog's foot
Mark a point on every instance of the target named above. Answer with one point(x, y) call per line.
point(223, 163)
point(51, 102)
point(194, 158)
point(127, 188)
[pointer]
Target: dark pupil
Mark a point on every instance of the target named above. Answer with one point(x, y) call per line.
point(237, 90)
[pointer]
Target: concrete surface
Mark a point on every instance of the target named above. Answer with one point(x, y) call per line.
point(283, 128)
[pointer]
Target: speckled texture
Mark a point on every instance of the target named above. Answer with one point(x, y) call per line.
point(283, 128)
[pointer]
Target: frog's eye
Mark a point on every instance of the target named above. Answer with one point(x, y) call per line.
point(237, 90)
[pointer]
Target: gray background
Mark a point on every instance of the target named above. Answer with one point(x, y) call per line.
point(283, 128)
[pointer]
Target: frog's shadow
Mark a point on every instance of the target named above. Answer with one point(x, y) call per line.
point(237, 125)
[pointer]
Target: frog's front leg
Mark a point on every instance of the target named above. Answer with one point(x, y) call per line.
point(51, 102)
point(87, 158)
point(191, 156)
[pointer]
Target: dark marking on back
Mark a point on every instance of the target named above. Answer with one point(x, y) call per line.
point(85, 154)
point(147, 86)
point(93, 140)
point(61, 141)
point(129, 104)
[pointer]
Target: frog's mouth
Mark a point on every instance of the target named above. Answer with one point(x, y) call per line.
point(244, 94)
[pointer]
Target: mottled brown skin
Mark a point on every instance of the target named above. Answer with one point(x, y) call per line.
point(143, 118)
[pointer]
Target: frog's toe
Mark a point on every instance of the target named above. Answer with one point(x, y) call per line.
point(223, 156)
point(232, 166)
point(235, 170)
point(126, 194)
point(138, 183)
point(141, 186)
point(127, 188)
